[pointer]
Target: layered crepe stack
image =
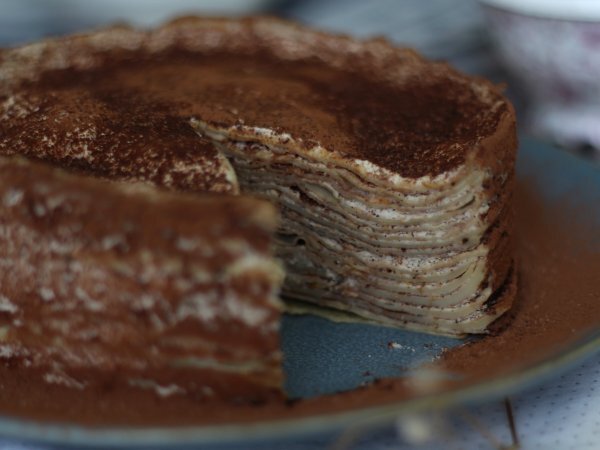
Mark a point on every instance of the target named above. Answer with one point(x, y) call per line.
point(393, 176)
point(410, 252)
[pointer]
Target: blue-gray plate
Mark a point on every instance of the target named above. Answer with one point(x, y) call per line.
point(323, 357)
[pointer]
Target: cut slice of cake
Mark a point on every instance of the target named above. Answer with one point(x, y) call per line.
point(112, 282)
point(393, 176)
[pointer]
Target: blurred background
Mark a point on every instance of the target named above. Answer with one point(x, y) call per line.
point(441, 29)
point(547, 52)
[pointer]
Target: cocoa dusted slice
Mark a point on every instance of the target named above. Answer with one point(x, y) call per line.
point(393, 174)
point(173, 292)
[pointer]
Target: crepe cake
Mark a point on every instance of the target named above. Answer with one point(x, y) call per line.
point(101, 278)
point(393, 177)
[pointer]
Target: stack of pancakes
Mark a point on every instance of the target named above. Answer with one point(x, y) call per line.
point(393, 177)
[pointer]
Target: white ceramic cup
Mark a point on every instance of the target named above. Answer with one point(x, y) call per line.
point(553, 48)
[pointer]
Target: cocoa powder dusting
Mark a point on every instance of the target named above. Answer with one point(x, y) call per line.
point(558, 302)
point(425, 125)
point(558, 299)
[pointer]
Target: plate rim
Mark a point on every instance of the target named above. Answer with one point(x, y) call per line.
point(517, 380)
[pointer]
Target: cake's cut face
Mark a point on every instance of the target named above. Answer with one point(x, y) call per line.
point(393, 175)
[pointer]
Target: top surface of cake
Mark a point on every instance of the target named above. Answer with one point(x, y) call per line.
point(120, 100)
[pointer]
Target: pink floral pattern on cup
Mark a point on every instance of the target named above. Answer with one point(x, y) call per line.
point(558, 63)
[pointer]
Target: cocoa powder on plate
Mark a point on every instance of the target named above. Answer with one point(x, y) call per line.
point(558, 303)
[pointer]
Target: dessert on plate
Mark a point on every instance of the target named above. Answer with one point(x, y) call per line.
point(143, 174)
